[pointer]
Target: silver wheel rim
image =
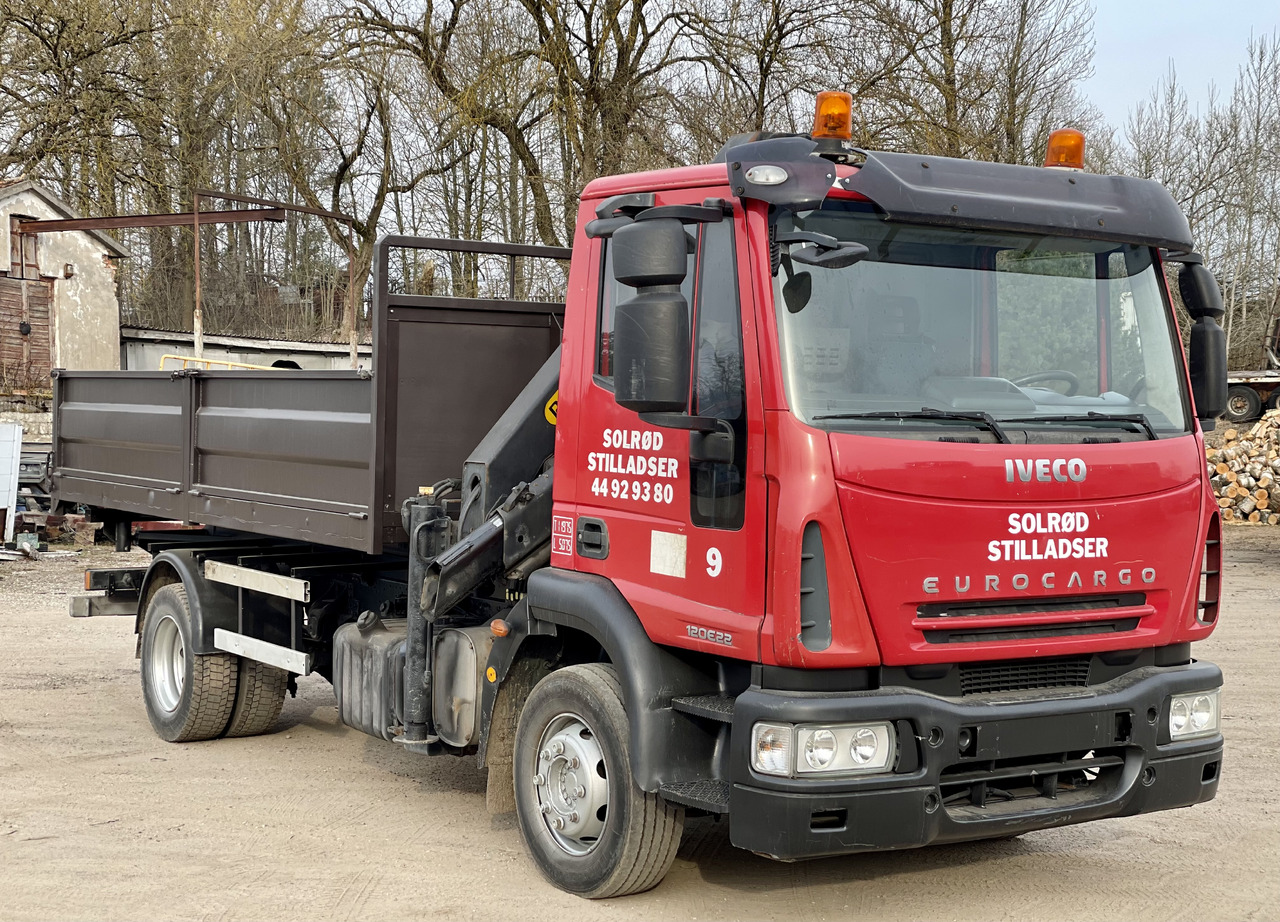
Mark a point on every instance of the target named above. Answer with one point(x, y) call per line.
point(168, 670)
point(571, 784)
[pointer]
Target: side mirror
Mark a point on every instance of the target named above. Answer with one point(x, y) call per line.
point(1208, 365)
point(1200, 292)
point(651, 337)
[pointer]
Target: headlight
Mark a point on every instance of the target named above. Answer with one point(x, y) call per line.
point(865, 746)
point(1194, 715)
point(780, 749)
point(819, 749)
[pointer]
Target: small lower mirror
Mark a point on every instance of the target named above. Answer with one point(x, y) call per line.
point(797, 290)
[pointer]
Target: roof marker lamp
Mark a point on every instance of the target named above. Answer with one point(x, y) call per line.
point(766, 174)
point(1065, 150)
point(833, 116)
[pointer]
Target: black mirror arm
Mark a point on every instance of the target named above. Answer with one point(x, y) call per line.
point(604, 227)
point(683, 421)
point(826, 241)
point(685, 214)
point(824, 250)
point(711, 439)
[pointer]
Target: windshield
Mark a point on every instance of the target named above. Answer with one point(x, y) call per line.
point(1006, 337)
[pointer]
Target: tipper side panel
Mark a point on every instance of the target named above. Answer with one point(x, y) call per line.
point(280, 453)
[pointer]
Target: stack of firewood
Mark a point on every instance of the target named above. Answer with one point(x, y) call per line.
point(1245, 472)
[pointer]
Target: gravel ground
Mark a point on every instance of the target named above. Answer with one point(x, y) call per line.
point(99, 819)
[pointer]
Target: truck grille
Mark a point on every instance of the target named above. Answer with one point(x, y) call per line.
point(983, 678)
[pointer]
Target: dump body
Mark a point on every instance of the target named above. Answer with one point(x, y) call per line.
point(324, 457)
point(284, 454)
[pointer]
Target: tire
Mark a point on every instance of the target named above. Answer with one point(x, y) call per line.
point(624, 840)
point(1243, 404)
point(1273, 400)
point(188, 697)
point(260, 693)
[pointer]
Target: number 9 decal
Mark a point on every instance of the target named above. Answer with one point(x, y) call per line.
point(714, 562)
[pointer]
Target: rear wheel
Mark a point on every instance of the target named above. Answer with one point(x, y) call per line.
point(188, 697)
point(259, 696)
point(590, 829)
point(1243, 404)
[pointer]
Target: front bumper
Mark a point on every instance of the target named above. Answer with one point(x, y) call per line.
point(1003, 785)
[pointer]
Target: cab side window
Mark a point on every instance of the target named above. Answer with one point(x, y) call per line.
point(718, 490)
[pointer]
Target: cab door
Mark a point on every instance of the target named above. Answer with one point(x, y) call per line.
point(682, 539)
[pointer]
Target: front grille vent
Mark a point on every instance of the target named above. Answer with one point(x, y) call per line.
point(984, 678)
point(1211, 573)
point(1031, 632)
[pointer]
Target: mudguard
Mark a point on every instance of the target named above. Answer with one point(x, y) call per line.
point(666, 746)
point(212, 605)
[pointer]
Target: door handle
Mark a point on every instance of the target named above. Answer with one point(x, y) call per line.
point(593, 538)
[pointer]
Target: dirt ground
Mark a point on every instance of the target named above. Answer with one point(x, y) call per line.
point(99, 819)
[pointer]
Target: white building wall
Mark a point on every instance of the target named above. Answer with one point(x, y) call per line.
point(10, 458)
point(85, 320)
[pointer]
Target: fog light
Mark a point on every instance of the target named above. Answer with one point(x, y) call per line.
point(1193, 715)
point(820, 749)
point(864, 745)
point(771, 748)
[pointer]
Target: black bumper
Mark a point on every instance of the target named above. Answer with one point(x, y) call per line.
point(936, 795)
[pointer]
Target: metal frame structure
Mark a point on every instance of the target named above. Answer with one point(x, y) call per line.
point(267, 210)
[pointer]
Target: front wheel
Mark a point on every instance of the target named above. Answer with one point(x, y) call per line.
point(590, 829)
point(188, 697)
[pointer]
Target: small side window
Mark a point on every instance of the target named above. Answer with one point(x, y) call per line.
point(718, 491)
point(611, 292)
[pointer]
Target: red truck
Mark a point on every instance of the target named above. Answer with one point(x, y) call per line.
point(858, 498)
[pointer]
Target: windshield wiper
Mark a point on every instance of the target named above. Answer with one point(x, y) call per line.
point(985, 419)
point(1138, 419)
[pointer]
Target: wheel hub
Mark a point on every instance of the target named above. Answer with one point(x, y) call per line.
point(570, 782)
point(168, 666)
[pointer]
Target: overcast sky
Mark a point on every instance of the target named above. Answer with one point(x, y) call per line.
point(1134, 43)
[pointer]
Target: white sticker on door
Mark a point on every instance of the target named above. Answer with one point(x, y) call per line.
point(667, 553)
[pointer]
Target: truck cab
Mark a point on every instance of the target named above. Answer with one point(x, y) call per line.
point(930, 486)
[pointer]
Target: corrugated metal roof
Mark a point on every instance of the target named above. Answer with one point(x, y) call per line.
point(366, 336)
